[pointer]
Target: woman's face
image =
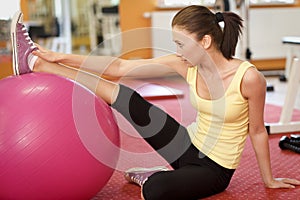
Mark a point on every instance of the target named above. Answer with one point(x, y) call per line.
point(188, 48)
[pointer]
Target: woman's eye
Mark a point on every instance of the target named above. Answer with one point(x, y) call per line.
point(179, 45)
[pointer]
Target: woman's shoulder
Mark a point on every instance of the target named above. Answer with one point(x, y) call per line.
point(248, 69)
point(253, 81)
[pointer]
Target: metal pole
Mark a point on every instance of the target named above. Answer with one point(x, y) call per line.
point(66, 24)
point(245, 6)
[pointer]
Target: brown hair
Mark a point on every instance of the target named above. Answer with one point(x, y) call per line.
point(201, 21)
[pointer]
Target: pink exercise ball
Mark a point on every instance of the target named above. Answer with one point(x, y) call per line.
point(57, 139)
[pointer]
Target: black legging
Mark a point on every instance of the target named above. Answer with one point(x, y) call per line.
point(194, 176)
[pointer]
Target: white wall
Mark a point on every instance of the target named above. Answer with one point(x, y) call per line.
point(268, 26)
point(9, 8)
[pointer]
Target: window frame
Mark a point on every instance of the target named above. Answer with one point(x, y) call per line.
point(210, 3)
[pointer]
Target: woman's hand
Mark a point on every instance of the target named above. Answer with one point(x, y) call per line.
point(47, 55)
point(283, 183)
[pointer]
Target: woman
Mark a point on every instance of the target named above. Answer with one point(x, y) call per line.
point(228, 93)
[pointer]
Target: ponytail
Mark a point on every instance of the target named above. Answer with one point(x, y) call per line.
point(231, 33)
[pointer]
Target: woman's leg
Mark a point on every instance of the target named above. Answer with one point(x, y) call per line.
point(160, 130)
point(190, 182)
point(102, 88)
point(194, 179)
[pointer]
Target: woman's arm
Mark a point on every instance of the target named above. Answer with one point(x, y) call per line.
point(117, 67)
point(254, 89)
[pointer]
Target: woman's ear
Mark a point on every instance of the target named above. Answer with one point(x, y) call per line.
point(206, 41)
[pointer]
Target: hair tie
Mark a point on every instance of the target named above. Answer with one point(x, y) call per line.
point(219, 17)
point(220, 20)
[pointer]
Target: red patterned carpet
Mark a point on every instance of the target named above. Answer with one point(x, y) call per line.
point(246, 183)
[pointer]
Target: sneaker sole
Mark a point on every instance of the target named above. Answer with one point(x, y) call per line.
point(142, 169)
point(14, 21)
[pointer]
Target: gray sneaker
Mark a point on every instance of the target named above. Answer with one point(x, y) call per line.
point(22, 45)
point(139, 175)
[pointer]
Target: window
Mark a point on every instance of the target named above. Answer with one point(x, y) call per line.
point(182, 3)
point(261, 2)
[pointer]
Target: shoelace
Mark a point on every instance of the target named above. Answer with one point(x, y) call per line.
point(138, 179)
point(27, 37)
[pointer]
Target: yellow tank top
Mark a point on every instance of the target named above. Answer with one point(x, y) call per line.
point(221, 125)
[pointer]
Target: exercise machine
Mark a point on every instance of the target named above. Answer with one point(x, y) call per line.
point(285, 125)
